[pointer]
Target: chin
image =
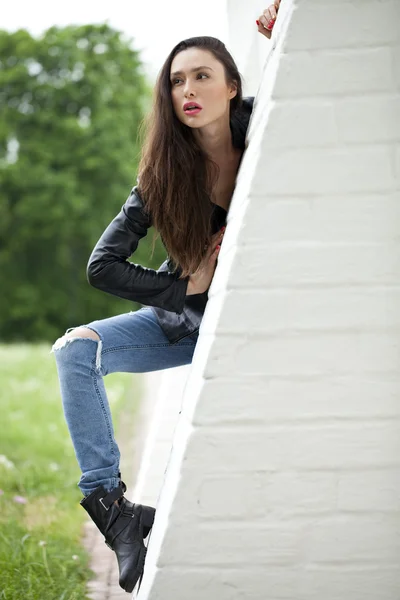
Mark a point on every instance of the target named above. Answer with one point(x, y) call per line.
point(195, 125)
point(192, 123)
point(199, 121)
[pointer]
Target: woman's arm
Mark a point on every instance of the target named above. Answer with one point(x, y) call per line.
point(110, 271)
point(266, 21)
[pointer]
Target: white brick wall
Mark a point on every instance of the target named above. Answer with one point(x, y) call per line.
point(284, 478)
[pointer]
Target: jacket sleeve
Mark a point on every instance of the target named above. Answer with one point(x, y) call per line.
point(109, 269)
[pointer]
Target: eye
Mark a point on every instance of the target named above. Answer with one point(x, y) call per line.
point(178, 79)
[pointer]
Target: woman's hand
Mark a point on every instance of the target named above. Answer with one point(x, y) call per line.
point(267, 20)
point(200, 281)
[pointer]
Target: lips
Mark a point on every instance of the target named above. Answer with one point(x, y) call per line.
point(191, 106)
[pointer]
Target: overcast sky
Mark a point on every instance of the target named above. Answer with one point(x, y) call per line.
point(155, 25)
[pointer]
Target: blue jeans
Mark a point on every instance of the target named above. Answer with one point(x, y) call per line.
point(132, 343)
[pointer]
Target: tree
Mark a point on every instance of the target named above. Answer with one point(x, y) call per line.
point(71, 103)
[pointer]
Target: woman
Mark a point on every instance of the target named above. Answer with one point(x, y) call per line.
point(187, 177)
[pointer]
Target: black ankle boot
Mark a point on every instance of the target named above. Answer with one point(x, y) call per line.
point(124, 527)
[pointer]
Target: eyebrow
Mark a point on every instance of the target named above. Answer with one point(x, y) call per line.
point(192, 70)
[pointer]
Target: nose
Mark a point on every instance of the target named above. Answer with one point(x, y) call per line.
point(188, 89)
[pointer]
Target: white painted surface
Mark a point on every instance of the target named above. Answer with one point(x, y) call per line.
point(162, 402)
point(284, 477)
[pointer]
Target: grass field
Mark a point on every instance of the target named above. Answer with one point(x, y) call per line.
point(41, 557)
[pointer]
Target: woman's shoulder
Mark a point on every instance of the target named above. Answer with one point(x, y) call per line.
point(248, 103)
point(246, 108)
point(240, 121)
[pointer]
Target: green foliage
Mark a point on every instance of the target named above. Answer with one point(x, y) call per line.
point(41, 555)
point(70, 106)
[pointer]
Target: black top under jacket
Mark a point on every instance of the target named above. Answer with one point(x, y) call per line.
point(109, 270)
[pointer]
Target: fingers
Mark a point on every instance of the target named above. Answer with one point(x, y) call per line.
point(267, 20)
point(214, 255)
point(216, 235)
point(216, 238)
point(263, 30)
point(271, 12)
point(216, 244)
point(220, 234)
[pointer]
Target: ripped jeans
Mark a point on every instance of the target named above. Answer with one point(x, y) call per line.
point(132, 343)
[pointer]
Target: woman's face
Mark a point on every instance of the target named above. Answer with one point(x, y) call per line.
point(206, 86)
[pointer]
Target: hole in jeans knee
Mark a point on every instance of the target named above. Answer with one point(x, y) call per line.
point(80, 333)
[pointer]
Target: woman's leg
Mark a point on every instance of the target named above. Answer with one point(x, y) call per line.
point(132, 342)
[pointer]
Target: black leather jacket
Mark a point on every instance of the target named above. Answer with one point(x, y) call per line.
point(109, 269)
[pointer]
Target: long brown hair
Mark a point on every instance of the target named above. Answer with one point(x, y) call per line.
point(175, 175)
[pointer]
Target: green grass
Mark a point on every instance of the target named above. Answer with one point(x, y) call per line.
point(41, 556)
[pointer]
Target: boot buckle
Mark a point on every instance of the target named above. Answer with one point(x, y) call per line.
point(109, 498)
